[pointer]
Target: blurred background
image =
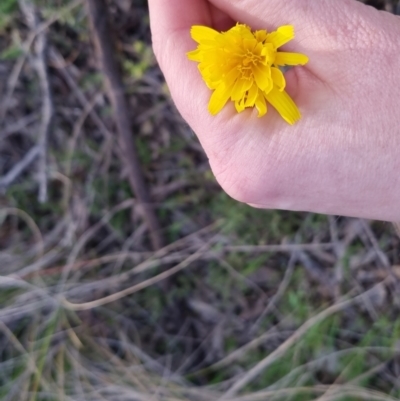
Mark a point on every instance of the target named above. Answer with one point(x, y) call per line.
point(198, 297)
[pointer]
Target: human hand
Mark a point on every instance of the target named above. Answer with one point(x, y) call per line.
point(342, 157)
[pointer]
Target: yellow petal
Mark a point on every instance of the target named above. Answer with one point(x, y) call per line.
point(284, 104)
point(226, 42)
point(269, 53)
point(278, 78)
point(242, 30)
point(230, 78)
point(262, 75)
point(281, 36)
point(260, 35)
point(251, 96)
point(219, 98)
point(195, 55)
point(210, 55)
point(249, 44)
point(261, 104)
point(239, 105)
point(283, 58)
point(201, 33)
point(240, 88)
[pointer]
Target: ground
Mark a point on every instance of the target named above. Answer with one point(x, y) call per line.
point(267, 305)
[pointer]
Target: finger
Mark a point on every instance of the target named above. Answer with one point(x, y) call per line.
point(174, 15)
point(220, 20)
point(323, 27)
point(268, 14)
point(319, 25)
point(170, 24)
point(178, 16)
point(170, 27)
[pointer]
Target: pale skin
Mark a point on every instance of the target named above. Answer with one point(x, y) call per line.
point(343, 156)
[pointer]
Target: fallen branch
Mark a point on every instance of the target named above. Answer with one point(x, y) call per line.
point(100, 26)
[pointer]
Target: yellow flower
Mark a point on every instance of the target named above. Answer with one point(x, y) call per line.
point(243, 66)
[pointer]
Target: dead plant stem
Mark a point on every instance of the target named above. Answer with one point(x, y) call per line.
point(101, 29)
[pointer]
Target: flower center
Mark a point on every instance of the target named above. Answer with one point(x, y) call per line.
point(245, 68)
point(245, 71)
point(250, 58)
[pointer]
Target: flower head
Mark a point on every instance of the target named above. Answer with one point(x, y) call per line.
point(243, 66)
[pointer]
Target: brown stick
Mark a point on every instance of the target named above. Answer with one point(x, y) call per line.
point(101, 29)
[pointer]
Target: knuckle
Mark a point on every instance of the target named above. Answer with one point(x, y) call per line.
point(358, 27)
point(247, 180)
point(234, 185)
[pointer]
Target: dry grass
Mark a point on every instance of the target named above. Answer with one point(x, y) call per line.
point(241, 304)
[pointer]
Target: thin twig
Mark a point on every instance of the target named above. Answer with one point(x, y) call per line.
point(32, 366)
point(297, 335)
point(276, 297)
point(18, 126)
point(154, 260)
point(14, 75)
point(240, 352)
point(374, 242)
point(100, 25)
point(287, 248)
point(16, 71)
point(339, 250)
point(128, 203)
point(40, 65)
point(19, 168)
point(137, 287)
point(62, 67)
point(315, 271)
point(29, 222)
point(353, 392)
